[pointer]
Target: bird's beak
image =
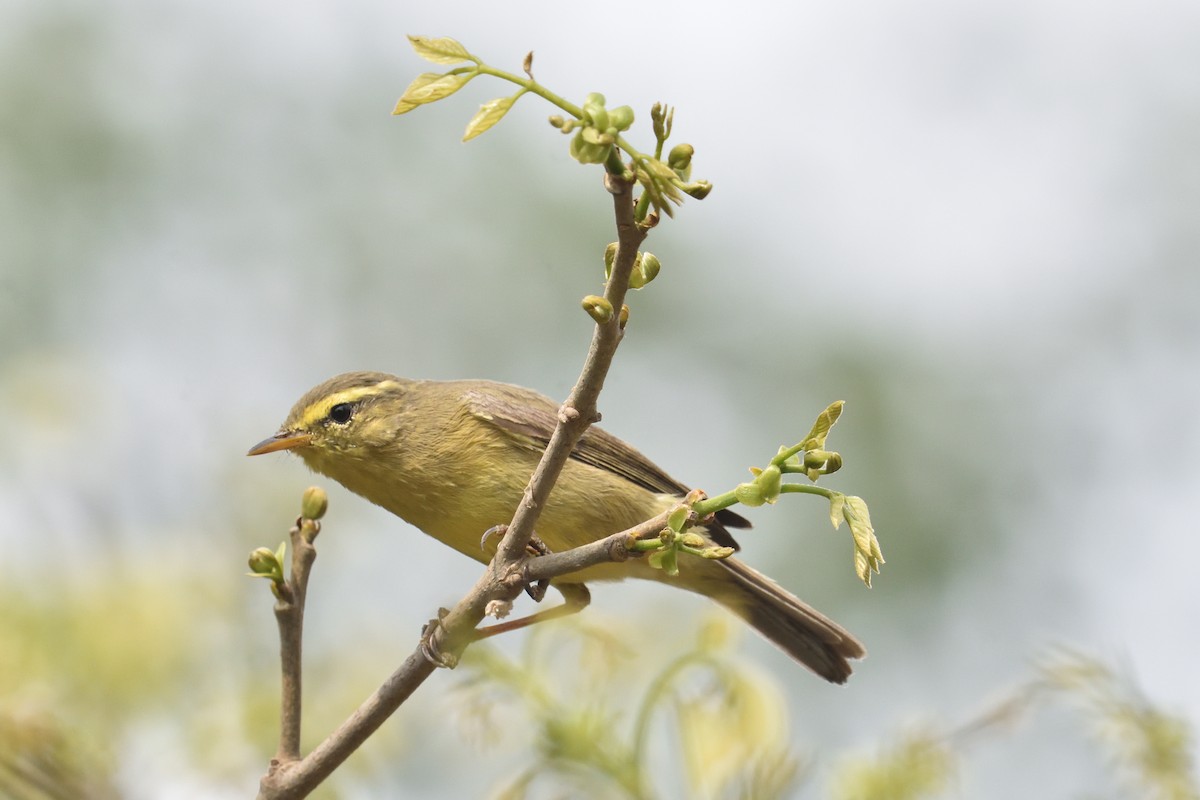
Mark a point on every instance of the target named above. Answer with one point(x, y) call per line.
point(284, 440)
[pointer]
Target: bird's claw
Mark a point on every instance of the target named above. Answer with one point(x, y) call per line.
point(535, 548)
point(430, 649)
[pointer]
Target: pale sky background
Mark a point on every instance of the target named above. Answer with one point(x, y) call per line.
point(975, 223)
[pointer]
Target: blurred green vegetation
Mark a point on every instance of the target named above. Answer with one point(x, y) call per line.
point(204, 211)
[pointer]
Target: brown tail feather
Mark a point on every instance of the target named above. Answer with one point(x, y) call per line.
point(801, 631)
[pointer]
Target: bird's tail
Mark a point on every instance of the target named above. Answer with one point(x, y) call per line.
point(799, 630)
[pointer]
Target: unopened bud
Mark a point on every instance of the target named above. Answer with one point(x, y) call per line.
point(621, 117)
point(315, 503)
point(588, 153)
point(680, 157)
point(598, 308)
point(623, 317)
point(595, 112)
point(698, 190)
point(749, 494)
point(644, 270)
point(770, 480)
point(262, 561)
point(660, 119)
point(718, 552)
point(815, 459)
point(610, 258)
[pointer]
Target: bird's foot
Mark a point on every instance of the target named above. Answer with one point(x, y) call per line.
point(429, 646)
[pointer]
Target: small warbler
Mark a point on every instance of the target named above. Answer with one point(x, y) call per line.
point(453, 458)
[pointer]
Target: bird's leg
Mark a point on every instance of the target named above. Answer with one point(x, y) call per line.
point(535, 548)
point(429, 648)
point(576, 598)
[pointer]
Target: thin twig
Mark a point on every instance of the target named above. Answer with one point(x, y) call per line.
point(289, 615)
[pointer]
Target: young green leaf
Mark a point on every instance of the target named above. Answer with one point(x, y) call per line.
point(836, 501)
point(435, 90)
point(820, 429)
point(424, 79)
point(867, 555)
point(488, 115)
point(440, 51)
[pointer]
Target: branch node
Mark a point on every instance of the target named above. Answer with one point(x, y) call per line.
point(616, 184)
point(617, 551)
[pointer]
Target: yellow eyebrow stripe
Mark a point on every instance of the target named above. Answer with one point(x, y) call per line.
point(320, 409)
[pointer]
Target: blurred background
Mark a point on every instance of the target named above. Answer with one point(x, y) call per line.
point(976, 224)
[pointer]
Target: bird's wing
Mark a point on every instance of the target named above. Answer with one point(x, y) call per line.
point(531, 415)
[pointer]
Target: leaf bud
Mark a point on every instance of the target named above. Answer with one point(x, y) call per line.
point(645, 269)
point(598, 308)
point(623, 317)
point(610, 258)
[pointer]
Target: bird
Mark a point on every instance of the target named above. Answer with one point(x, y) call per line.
point(452, 458)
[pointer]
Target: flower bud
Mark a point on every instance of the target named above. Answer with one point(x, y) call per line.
point(658, 118)
point(621, 118)
point(588, 153)
point(680, 157)
point(816, 459)
point(595, 112)
point(718, 553)
point(698, 190)
point(314, 503)
point(265, 563)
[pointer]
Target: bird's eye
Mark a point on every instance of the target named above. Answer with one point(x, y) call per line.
point(341, 413)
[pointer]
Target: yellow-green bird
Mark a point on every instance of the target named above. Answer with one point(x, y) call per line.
point(453, 458)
